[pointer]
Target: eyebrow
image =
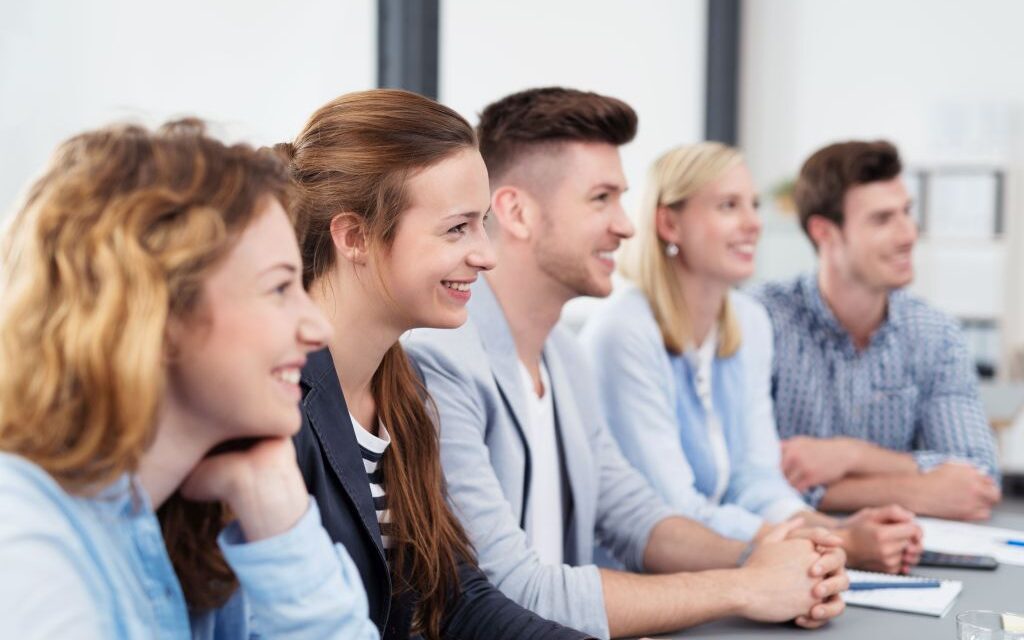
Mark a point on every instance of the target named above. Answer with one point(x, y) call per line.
point(468, 215)
point(609, 186)
point(287, 266)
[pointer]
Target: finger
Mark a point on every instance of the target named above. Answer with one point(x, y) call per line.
point(820, 536)
point(781, 531)
point(828, 609)
point(831, 561)
point(897, 532)
point(895, 513)
point(808, 623)
point(831, 586)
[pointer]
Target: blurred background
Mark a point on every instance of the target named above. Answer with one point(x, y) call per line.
point(944, 80)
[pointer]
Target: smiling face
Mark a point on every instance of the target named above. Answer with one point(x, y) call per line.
point(874, 247)
point(440, 245)
point(717, 228)
point(582, 221)
point(236, 369)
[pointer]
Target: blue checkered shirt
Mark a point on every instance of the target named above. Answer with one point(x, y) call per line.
point(912, 389)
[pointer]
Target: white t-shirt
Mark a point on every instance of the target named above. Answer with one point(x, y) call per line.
point(702, 360)
point(544, 525)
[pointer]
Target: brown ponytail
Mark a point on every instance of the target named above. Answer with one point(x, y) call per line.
point(355, 155)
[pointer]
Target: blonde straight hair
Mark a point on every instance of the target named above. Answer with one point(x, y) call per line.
point(671, 180)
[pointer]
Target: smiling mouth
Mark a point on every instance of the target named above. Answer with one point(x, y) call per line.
point(744, 248)
point(288, 375)
point(456, 286)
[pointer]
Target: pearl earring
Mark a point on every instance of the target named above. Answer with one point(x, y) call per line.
point(671, 249)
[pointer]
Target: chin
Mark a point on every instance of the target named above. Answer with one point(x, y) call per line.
point(446, 320)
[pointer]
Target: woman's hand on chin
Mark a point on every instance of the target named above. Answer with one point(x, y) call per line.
point(261, 484)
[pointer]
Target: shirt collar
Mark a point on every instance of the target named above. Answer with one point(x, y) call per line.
point(124, 496)
point(821, 312)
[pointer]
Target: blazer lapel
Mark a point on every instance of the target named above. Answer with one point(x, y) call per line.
point(496, 336)
point(575, 449)
point(501, 350)
point(324, 405)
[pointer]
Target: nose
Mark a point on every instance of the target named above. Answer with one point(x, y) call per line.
point(621, 225)
point(481, 255)
point(314, 328)
point(752, 220)
point(909, 229)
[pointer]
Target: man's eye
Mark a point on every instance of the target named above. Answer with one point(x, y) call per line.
point(459, 228)
point(602, 197)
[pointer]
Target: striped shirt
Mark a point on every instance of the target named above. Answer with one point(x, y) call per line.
point(912, 389)
point(372, 447)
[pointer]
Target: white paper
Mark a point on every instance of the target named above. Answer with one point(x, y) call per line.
point(960, 537)
point(932, 602)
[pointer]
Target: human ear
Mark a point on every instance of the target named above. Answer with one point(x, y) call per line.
point(348, 233)
point(511, 208)
point(666, 222)
point(820, 229)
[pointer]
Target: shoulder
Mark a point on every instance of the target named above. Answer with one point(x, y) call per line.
point(920, 321)
point(453, 352)
point(28, 494)
point(38, 515)
point(750, 311)
point(784, 301)
point(624, 321)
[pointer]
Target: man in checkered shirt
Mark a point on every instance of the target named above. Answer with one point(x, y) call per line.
point(875, 393)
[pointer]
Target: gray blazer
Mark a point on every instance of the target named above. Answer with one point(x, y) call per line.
point(472, 374)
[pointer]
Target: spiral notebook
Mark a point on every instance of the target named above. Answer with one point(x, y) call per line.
point(930, 602)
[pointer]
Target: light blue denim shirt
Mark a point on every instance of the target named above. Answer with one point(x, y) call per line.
point(97, 567)
point(912, 389)
point(653, 409)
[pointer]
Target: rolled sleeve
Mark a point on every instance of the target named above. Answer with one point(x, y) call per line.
point(953, 426)
point(298, 584)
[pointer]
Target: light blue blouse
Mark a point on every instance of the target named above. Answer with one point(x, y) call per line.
point(650, 400)
point(97, 567)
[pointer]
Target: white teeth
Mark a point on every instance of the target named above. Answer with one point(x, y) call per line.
point(606, 255)
point(744, 248)
point(457, 286)
point(290, 376)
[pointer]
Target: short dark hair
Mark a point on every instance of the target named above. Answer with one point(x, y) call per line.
point(831, 171)
point(521, 122)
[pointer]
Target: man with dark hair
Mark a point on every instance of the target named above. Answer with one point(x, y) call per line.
point(875, 394)
point(531, 467)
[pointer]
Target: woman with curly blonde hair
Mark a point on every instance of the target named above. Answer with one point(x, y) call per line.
point(152, 327)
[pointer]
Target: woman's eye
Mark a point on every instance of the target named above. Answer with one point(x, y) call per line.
point(282, 288)
point(460, 229)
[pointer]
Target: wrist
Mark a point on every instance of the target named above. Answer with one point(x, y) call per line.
point(853, 454)
point(269, 503)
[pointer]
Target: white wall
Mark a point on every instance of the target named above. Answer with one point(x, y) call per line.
point(941, 79)
point(649, 53)
point(255, 68)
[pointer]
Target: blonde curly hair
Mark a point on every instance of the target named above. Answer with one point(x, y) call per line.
point(111, 242)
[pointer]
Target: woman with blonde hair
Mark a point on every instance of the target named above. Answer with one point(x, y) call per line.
point(152, 327)
point(391, 197)
point(685, 363)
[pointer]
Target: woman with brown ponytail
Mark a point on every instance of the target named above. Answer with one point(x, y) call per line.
point(391, 200)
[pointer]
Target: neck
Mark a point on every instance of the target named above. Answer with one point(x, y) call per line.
point(180, 443)
point(531, 301)
point(859, 309)
point(704, 299)
point(365, 326)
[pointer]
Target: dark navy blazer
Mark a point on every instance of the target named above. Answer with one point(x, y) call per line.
point(332, 466)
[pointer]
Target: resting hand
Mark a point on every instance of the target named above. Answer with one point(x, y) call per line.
point(809, 462)
point(882, 539)
point(262, 486)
